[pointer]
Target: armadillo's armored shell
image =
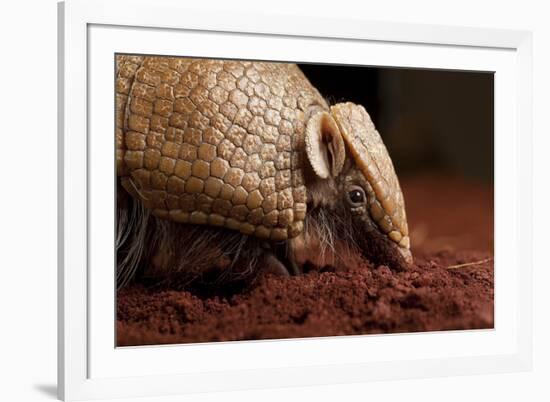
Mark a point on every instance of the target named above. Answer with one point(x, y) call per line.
point(215, 142)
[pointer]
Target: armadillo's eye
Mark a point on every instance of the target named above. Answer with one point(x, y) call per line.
point(356, 196)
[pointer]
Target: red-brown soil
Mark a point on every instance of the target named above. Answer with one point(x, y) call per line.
point(451, 224)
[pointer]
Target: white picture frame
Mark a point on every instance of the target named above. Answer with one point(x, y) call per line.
point(90, 366)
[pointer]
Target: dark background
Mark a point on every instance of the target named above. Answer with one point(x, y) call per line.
point(429, 119)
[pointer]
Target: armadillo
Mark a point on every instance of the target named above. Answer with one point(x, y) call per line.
point(242, 157)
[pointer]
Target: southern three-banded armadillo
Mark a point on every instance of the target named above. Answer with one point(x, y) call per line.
point(241, 165)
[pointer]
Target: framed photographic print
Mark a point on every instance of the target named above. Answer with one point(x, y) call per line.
point(263, 201)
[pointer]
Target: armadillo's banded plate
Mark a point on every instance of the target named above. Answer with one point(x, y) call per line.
point(387, 208)
point(215, 142)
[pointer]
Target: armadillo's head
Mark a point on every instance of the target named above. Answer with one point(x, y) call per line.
point(345, 149)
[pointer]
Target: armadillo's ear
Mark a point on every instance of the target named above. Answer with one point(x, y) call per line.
point(324, 145)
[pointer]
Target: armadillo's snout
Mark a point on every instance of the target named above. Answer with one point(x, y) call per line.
point(405, 254)
point(402, 250)
point(380, 250)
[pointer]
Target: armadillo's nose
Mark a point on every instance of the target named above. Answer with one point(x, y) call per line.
point(380, 250)
point(406, 254)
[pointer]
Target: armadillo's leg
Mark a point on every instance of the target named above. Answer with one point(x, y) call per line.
point(294, 266)
point(273, 265)
point(284, 254)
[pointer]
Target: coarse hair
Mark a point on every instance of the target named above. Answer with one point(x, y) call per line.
point(160, 250)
